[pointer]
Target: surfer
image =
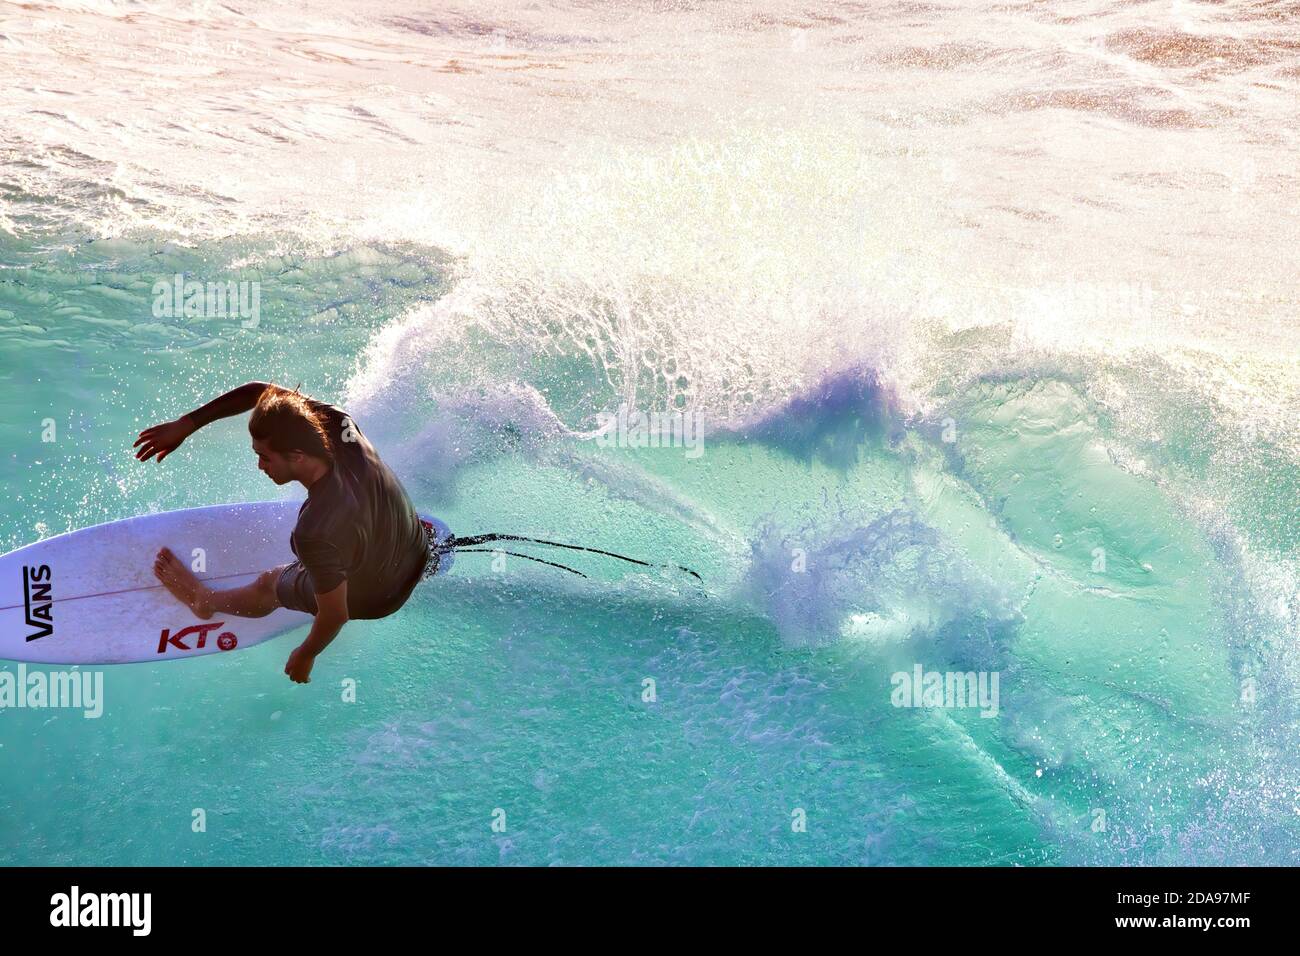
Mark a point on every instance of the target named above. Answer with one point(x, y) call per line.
point(361, 548)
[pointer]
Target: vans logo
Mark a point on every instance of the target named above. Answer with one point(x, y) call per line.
point(167, 639)
point(38, 603)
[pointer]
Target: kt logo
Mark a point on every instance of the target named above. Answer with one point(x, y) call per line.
point(226, 641)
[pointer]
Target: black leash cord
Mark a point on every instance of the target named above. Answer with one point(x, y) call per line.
point(515, 554)
point(456, 544)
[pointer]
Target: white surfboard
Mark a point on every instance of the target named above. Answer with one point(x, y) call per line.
point(90, 596)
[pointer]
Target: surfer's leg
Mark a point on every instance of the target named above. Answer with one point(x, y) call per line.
point(252, 600)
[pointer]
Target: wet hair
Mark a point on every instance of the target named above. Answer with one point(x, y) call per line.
point(285, 420)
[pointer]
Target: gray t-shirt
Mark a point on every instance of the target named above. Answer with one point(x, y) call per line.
point(358, 525)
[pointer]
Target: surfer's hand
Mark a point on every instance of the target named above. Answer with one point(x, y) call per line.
point(162, 440)
point(299, 665)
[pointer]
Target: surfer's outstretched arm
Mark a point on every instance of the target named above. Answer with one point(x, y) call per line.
point(162, 440)
point(331, 615)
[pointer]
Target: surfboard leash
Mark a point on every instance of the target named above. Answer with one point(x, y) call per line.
point(466, 545)
point(516, 554)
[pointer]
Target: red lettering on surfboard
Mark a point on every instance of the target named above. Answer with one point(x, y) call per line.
point(175, 639)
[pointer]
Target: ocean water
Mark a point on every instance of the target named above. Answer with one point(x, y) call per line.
point(987, 314)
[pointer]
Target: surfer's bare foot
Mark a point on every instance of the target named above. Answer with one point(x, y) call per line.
point(181, 582)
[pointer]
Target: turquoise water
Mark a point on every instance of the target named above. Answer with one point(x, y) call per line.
point(1054, 444)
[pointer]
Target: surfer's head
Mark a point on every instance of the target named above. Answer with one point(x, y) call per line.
point(289, 439)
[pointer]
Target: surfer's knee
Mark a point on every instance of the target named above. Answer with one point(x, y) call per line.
point(265, 585)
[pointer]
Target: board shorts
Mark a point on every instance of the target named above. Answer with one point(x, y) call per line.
point(294, 590)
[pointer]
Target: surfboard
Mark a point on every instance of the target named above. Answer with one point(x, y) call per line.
point(90, 596)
